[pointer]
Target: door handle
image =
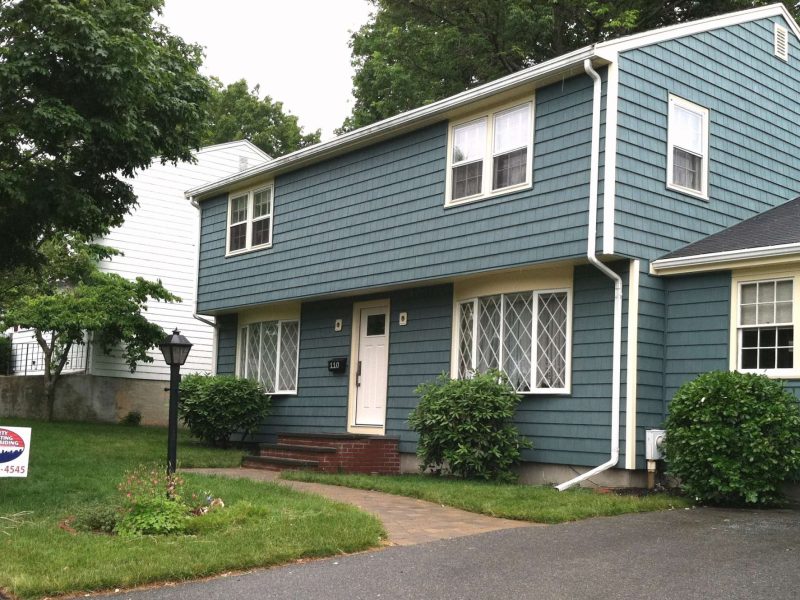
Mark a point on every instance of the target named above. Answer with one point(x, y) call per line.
point(358, 374)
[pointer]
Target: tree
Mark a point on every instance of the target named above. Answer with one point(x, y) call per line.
point(237, 113)
point(89, 93)
point(68, 296)
point(414, 52)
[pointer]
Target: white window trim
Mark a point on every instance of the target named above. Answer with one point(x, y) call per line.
point(567, 389)
point(736, 327)
point(703, 112)
point(250, 219)
point(241, 359)
point(488, 155)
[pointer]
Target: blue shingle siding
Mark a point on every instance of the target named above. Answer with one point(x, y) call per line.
point(754, 151)
point(376, 216)
point(418, 352)
point(697, 328)
point(574, 429)
point(226, 344)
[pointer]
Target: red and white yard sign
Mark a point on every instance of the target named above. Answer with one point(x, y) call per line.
point(15, 443)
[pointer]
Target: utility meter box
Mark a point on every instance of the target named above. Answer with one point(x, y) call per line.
point(654, 438)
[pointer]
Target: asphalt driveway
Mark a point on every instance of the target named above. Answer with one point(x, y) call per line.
point(697, 553)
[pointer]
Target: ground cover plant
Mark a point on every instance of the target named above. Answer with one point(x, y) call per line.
point(733, 438)
point(74, 468)
point(540, 504)
point(465, 427)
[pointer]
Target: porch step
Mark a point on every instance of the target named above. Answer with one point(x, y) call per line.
point(277, 463)
point(329, 453)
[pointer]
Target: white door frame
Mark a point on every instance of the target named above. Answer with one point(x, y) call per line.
point(354, 353)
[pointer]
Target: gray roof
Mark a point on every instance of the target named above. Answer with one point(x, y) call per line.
point(774, 227)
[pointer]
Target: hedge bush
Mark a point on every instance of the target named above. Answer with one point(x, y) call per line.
point(733, 438)
point(465, 428)
point(214, 407)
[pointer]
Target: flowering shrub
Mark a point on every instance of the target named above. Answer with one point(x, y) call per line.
point(152, 503)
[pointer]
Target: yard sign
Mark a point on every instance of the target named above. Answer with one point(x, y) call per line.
point(15, 443)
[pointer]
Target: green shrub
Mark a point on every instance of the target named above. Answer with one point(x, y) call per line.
point(214, 407)
point(132, 419)
point(153, 503)
point(465, 428)
point(154, 516)
point(5, 355)
point(733, 438)
point(97, 518)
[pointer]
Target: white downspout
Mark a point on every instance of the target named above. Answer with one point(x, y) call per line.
point(616, 361)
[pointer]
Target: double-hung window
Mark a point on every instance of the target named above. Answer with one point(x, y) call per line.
point(687, 148)
point(490, 154)
point(250, 220)
point(268, 353)
point(524, 334)
point(766, 325)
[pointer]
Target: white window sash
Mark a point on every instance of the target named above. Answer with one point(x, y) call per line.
point(250, 220)
point(674, 142)
point(740, 327)
point(246, 352)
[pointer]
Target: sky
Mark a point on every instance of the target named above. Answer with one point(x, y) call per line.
point(296, 49)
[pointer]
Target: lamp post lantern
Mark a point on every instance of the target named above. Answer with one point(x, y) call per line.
point(175, 349)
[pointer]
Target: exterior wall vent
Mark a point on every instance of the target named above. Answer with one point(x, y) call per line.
point(781, 42)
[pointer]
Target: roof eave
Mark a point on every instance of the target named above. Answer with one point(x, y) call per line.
point(717, 261)
point(406, 121)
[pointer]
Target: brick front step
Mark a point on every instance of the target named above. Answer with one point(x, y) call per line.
point(330, 453)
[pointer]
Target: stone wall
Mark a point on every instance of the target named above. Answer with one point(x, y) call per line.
point(81, 397)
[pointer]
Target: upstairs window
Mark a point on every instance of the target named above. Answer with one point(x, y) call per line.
point(687, 148)
point(268, 353)
point(250, 220)
point(525, 334)
point(490, 154)
point(766, 325)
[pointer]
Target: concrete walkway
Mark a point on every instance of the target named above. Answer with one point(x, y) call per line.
point(407, 521)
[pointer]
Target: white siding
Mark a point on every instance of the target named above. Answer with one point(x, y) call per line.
point(159, 241)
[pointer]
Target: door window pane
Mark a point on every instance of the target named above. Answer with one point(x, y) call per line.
point(376, 324)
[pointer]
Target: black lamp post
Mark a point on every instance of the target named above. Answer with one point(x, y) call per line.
point(175, 349)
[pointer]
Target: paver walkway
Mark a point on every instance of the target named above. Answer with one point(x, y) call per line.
point(407, 521)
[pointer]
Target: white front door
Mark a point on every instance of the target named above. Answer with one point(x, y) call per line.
point(372, 364)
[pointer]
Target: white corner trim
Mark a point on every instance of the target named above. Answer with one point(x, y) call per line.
point(672, 32)
point(632, 364)
point(610, 156)
point(666, 266)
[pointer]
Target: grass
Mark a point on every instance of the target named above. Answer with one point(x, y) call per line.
point(73, 465)
point(540, 504)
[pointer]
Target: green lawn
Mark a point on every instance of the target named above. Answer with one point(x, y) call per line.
point(541, 504)
point(73, 465)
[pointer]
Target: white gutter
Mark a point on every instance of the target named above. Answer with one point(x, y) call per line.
point(616, 361)
point(667, 265)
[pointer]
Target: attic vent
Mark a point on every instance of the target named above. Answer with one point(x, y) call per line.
point(243, 163)
point(781, 42)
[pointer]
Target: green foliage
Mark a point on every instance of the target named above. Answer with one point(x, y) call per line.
point(214, 407)
point(69, 295)
point(465, 428)
point(5, 355)
point(237, 113)
point(413, 53)
point(155, 516)
point(99, 518)
point(90, 92)
point(153, 503)
point(733, 438)
point(132, 419)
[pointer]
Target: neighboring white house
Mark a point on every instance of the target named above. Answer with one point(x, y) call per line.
point(158, 241)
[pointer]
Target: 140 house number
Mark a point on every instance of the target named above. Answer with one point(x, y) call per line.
point(17, 469)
